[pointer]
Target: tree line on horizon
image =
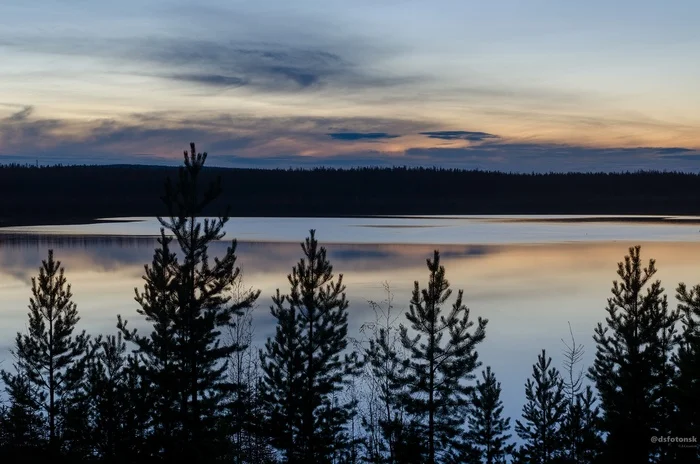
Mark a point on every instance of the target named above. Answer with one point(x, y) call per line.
point(70, 193)
point(192, 387)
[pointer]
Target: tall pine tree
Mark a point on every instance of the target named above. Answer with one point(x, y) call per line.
point(304, 367)
point(188, 301)
point(50, 360)
point(543, 415)
point(442, 358)
point(632, 370)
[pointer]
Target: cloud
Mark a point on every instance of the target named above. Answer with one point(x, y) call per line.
point(350, 136)
point(303, 77)
point(160, 137)
point(460, 135)
point(550, 157)
point(211, 80)
point(673, 150)
point(271, 67)
point(274, 66)
point(24, 138)
point(691, 157)
point(21, 115)
point(280, 142)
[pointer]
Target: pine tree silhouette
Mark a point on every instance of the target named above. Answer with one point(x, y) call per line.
point(304, 368)
point(188, 303)
point(632, 369)
point(487, 434)
point(543, 415)
point(436, 372)
point(50, 361)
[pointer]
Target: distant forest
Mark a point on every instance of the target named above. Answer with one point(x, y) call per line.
point(60, 194)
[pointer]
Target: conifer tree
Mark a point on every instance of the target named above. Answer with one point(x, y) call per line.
point(49, 360)
point(586, 416)
point(487, 430)
point(304, 366)
point(686, 392)
point(410, 445)
point(187, 300)
point(159, 363)
point(138, 398)
point(282, 367)
point(632, 370)
point(117, 414)
point(21, 424)
point(442, 358)
point(543, 414)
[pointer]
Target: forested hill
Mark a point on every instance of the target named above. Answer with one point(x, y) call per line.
point(68, 193)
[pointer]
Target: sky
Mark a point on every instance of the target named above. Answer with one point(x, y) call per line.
point(508, 85)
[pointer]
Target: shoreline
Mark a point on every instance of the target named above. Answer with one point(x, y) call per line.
point(14, 222)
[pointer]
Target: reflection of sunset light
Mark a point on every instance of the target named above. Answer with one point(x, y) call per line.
point(529, 293)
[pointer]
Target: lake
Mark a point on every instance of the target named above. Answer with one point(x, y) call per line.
point(529, 275)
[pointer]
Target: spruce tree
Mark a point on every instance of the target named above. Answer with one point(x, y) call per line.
point(543, 415)
point(632, 370)
point(487, 430)
point(50, 360)
point(304, 366)
point(187, 300)
point(442, 358)
point(686, 392)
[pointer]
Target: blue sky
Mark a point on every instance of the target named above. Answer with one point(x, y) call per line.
point(511, 85)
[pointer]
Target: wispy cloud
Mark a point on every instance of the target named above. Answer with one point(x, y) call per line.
point(213, 80)
point(266, 66)
point(164, 134)
point(21, 115)
point(350, 136)
point(461, 135)
point(673, 150)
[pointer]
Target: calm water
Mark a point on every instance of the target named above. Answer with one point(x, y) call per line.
point(530, 279)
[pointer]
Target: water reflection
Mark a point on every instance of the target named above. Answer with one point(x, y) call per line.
point(528, 292)
point(418, 229)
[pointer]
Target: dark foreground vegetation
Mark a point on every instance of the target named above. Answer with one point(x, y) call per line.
point(192, 388)
point(66, 194)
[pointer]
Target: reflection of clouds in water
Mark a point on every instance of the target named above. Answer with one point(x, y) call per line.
point(21, 255)
point(528, 292)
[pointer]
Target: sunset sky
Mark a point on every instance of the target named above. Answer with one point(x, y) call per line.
point(512, 85)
